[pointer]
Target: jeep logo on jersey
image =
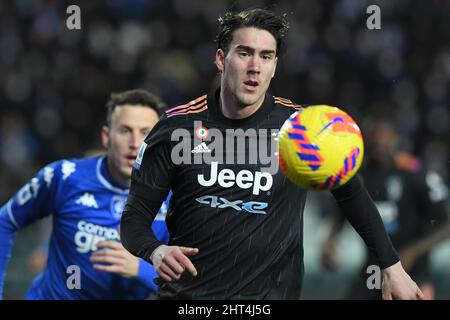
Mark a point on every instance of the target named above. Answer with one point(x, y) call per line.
point(244, 179)
point(226, 146)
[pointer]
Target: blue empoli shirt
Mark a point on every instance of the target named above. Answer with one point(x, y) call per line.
point(86, 208)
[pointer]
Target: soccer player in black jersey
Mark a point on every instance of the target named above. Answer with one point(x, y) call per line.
point(236, 222)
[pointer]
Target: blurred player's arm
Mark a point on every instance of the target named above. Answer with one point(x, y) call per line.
point(333, 228)
point(121, 262)
point(7, 236)
point(361, 212)
point(432, 196)
point(412, 252)
point(33, 201)
point(112, 257)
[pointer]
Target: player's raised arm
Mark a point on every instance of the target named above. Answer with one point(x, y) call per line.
point(33, 201)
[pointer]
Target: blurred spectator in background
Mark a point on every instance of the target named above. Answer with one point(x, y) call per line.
point(85, 198)
point(412, 202)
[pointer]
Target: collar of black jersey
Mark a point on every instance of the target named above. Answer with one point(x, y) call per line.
point(260, 115)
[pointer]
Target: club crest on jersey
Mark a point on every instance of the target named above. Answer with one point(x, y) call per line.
point(117, 205)
point(201, 132)
point(140, 156)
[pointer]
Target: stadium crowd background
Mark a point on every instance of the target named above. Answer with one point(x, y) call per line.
point(54, 83)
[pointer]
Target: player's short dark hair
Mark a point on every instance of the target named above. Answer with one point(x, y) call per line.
point(137, 97)
point(259, 18)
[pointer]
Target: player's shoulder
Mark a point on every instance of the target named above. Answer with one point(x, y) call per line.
point(73, 167)
point(286, 105)
point(176, 117)
point(191, 108)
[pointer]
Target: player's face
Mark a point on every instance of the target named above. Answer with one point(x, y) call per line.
point(249, 65)
point(382, 142)
point(129, 126)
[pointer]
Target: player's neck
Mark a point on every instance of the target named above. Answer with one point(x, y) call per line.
point(117, 178)
point(232, 109)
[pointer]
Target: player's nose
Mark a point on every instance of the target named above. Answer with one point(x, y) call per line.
point(135, 140)
point(254, 65)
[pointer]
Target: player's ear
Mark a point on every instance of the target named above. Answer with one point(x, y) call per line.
point(220, 60)
point(105, 136)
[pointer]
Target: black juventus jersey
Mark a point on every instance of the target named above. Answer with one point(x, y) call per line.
point(229, 201)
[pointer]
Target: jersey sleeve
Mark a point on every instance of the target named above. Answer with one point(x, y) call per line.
point(159, 225)
point(147, 274)
point(150, 184)
point(33, 201)
point(360, 210)
point(7, 236)
point(38, 198)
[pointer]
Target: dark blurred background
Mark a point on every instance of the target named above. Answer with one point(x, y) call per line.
point(54, 83)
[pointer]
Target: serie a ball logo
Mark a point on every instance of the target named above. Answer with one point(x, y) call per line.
point(320, 147)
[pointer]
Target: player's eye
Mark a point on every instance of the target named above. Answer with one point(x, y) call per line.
point(267, 56)
point(124, 130)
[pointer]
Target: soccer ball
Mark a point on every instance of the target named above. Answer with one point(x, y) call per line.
point(320, 147)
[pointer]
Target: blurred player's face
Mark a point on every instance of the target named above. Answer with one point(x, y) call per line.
point(249, 65)
point(382, 142)
point(129, 126)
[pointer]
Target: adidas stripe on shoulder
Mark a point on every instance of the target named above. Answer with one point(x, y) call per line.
point(286, 103)
point(195, 106)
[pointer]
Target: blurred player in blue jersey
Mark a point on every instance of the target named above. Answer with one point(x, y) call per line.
point(86, 197)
